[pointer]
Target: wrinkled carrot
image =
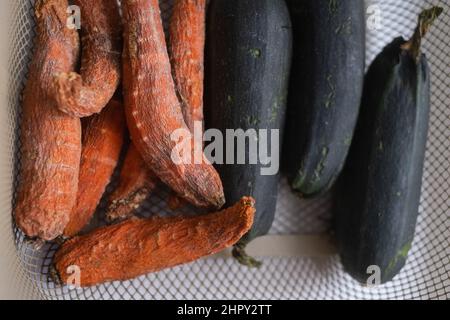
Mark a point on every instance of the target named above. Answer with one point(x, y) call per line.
point(186, 50)
point(51, 140)
point(139, 246)
point(153, 110)
point(136, 181)
point(187, 47)
point(87, 93)
point(102, 142)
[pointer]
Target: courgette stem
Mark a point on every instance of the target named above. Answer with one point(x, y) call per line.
point(426, 19)
point(243, 258)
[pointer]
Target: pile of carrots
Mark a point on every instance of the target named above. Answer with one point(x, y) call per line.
point(74, 128)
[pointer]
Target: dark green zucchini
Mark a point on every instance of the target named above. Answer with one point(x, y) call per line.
point(379, 191)
point(325, 90)
point(248, 58)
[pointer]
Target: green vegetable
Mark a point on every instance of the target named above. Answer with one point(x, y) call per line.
point(248, 59)
point(379, 192)
point(325, 91)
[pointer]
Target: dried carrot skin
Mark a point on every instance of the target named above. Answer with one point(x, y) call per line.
point(152, 106)
point(136, 181)
point(187, 48)
point(87, 93)
point(102, 143)
point(51, 140)
point(139, 246)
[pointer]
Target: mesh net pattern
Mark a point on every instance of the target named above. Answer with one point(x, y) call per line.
point(426, 275)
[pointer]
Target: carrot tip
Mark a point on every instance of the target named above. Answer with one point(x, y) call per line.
point(220, 202)
point(248, 202)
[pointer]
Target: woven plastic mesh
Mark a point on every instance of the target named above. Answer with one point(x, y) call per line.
point(426, 275)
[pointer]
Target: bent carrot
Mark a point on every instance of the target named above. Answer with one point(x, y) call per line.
point(136, 181)
point(187, 47)
point(153, 110)
point(89, 92)
point(102, 142)
point(51, 140)
point(187, 51)
point(139, 246)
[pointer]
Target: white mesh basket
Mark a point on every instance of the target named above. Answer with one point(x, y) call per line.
point(299, 259)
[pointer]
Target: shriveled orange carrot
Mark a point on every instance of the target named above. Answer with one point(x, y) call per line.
point(186, 50)
point(140, 246)
point(136, 181)
point(51, 140)
point(153, 110)
point(87, 93)
point(102, 142)
point(187, 47)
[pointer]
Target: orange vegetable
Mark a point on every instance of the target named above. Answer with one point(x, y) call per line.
point(139, 246)
point(89, 92)
point(135, 183)
point(51, 140)
point(187, 47)
point(186, 50)
point(102, 142)
point(153, 110)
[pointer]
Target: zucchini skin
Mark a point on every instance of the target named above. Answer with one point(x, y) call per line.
point(379, 191)
point(248, 59)
point(325, 90)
